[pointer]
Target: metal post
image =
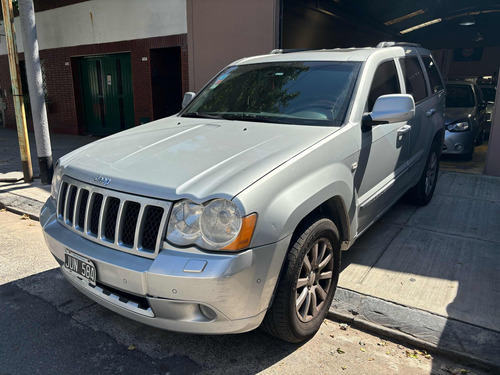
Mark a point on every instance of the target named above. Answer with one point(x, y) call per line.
point(35, 86)
point(17, 92)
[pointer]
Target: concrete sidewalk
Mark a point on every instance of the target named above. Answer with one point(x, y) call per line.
point(10, 159)
point(431, 274)
point(428, 276)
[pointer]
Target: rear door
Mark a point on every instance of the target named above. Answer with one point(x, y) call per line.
point(427, 99)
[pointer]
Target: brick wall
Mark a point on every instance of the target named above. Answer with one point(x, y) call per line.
point(63, 80)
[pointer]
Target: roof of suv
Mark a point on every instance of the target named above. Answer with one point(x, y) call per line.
point(337, 54)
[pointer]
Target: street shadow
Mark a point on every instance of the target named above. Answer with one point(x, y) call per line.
point(13, 186)
point(171, 352)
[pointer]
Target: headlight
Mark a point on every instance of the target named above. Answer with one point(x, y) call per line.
point(458, 126)
point(213, 225)
point(56, 181)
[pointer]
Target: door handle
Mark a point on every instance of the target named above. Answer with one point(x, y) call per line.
point(404, 129)
point(430, 112)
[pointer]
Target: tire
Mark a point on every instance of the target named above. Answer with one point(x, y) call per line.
point(479, 139)
point(300, 282)
point(421, 194)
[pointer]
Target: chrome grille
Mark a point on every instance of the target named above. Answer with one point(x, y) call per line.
point(130, 222)
point(125, 222)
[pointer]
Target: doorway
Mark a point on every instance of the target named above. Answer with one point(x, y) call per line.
point(166, 80)
point(107, 93)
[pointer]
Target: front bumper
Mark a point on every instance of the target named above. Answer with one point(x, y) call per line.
point(458, 142)
point(178, 284)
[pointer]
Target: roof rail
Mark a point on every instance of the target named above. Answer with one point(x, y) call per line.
point(396, 44)
point(280, 51)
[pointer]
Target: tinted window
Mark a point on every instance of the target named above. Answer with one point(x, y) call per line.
point(432, 72)
point(459, 96)
point(414, 78)
point(489, 93)
point(385, 81)
point(301, 92)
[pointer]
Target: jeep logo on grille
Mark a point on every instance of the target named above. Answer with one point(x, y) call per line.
point(102, 180)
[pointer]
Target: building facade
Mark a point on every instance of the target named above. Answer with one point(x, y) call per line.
point(107, 65)
point(114, 64)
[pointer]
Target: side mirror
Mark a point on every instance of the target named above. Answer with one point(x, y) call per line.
point(391, 108)
point(188, 97)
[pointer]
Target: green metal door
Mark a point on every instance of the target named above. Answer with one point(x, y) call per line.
point(107, 93)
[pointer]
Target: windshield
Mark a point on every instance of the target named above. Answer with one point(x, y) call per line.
point(305, 93)
point(459, 96)
point(489, 93)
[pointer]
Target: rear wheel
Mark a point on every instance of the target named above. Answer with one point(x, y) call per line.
point(480, 138)
point(421, 194)
point(305, 290)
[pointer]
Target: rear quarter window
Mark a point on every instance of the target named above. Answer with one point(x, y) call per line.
point(414, 78)
point(432, 71)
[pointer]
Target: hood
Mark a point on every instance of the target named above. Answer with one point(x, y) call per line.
point(190, 158)
point(452, 114)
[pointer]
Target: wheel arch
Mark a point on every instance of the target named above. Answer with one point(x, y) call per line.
point(334, 209)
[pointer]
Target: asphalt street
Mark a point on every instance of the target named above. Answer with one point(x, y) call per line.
point(47, 327)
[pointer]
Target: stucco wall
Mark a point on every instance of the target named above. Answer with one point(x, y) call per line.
point(97, 21)
point(221, 31)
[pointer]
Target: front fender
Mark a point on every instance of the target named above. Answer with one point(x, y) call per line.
point(289, 193)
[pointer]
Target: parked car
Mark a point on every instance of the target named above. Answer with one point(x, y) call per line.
point(233, 213)
point(489, 93)
point(464, 118)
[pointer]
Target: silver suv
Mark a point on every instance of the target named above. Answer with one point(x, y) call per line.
point(233, 213)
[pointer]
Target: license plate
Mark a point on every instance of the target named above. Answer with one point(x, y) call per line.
point(82, 267)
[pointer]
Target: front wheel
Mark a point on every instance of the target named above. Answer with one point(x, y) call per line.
point(421, 194)
point(305, 290)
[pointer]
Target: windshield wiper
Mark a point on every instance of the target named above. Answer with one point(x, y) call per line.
point(200, 115)
point(254, 117)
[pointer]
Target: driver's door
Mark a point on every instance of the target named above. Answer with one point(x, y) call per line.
point(381, 173)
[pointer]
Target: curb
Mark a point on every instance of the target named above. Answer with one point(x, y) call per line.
point(425, 330)
point(21, 205)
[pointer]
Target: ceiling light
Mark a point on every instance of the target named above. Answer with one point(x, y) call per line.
point(425, 24)
point(404, 18)
point(472, 14)
point(467, 21)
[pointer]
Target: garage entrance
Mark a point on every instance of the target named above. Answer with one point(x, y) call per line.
point(107, 93)
point(462, 35)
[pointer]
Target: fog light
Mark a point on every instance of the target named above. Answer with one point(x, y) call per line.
point(459, 147)
point(208, 312)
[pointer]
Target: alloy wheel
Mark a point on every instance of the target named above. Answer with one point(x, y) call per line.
point(314, 280)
